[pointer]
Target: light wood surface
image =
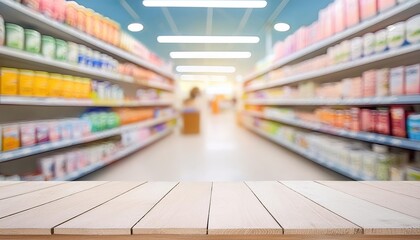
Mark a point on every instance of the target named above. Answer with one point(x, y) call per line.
point(119, 215)
point(416, 183)
point(20, 203)
point(288, 207)
point(183, 211)
point(372, 218)
point(235, 210)
point(8, 183)
point(399, 187)
point(208, 211)
point(401, 203)
point(57, 212)
point(25, 187)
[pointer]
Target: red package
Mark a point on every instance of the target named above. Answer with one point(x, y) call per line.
point(367, 118)
point(369, 83)
point(368, 9)
point(383, 121)
point(339, 15)
point(352, 12)
point(386, 4)
point(398, 121)
point(355, 119)
point(59, 10)
point(46, 7)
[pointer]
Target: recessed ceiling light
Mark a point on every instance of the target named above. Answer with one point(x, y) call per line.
point(208, 39)
point(211, 78)
point(210, 54)
point(282, 27)
point(204, 69)
point(135, 27)
point(205, 3)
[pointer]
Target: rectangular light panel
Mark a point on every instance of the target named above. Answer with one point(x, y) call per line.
point(210, 54)
point(206, 3)
point(211, 78)
point(208, 39)
point(206, 69)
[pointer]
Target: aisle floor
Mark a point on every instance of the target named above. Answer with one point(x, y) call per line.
point(222, 152)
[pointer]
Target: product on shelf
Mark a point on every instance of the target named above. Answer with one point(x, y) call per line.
point(2, 30)
point(32, 41)
point(14, 36)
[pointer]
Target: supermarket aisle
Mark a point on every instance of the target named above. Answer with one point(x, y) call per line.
point(223, 152)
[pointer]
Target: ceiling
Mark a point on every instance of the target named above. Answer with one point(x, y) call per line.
point(195, 21)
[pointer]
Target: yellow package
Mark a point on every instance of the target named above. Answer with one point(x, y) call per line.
point(55, 88)
point(9, 81)
point(41, 81)
point(10, 139)
point(26, 83)
point(68, 86)
point(78, 87)
point(86, 88)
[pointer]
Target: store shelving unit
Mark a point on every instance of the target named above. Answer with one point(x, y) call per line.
point(25, 16)
point(392, 58)
point(362, 136)
point(375, 101)
point(123, 153)
point(399, 13)
point(46, 147)
point(303, 152)
point(406, 55)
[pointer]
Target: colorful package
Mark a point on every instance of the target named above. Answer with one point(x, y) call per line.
point(368, 9)
point(382, 82)
point(352, 12)
point(412, 26)
point(42, 133)
point(10, 137)
point(32, 41)
point(9, 81)
point(368, 44)
point(367, 119)
point(398, 121)
point(412, 79)
point(396, 35)
point(27, 134)
point(54, 131)
point(383, 123)
point(41, 83)
point(381, 41)
point(26, 82)
point(384, 5)
point(14, 36)
point(396, 81)
point(47, 167)
point(369, 83)
point(413, 124)
point(48, 46)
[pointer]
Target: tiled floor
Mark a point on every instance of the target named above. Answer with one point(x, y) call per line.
point(223, 152)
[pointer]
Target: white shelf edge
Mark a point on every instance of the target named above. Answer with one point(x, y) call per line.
point(409, 99)
point(81, 36)
point(400, 8)
point(337, 68)
point(91, 72)
point(362, 136)
point(304, 153)
point(33, 101)
point(37, 149)
point(96, 166)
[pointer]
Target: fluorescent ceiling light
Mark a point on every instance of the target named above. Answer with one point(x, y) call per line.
point(210, 54)
point(206, 3)
point(209, 69)
point(135, 27)
point(208, 39)
point(210, 78)
point(282, 27)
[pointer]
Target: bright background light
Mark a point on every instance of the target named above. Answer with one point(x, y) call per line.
point(135, 27)
point(282, 27)
point(208, 39)
point(210, 54)
point(212, 78)
point(212, 69)
point(205, 3)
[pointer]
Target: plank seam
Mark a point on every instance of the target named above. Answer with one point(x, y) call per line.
point(51, 201)
point(389, 190)
point(282, 229)
point(208, 215)
point(11, 184)
point(32, 191)
point(362, 231)
point(131, 229)
point(52, 229)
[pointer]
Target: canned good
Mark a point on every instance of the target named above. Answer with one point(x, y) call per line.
point(41, 81)
point(14, 36)
point(61, 50)
point(71, 13)
point(97, 62)
point(82, 54)
point(46, 7)
point(9, 81)
point(81, 18)
point(413, 29)
point(73, 52)
point(90, 19)
point(32, 41)
point(26, 82)
point(48, 46)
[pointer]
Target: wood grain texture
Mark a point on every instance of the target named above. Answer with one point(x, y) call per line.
point(183, 211)
point(234, 209)
point(298, 215)
point(8, 183)
point(25, 187)
point(23, 202)
point(52, 214)
point(399, 187)
point(398, 202)
point(372, 218)
point(416, 183)
point(119, 215)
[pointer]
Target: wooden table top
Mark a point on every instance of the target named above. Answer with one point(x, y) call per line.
point(205, 210)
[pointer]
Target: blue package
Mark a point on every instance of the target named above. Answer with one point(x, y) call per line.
point(413, 125)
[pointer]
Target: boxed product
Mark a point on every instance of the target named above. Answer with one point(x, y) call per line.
point(396, 81)
point(369, 83)
point(386, 4)
point(413, 125)
point(367, 120)
point(381, 42)
point(41, 83)
point(368, 9)
point(352, 12)
point(27, 134)
point(356, 48)
point(382, 82)
point(396, 35)
point(9, 81)
point(368, 44)
point(383, 121)
point(355, 119)
point(42, 132)
point(412, 26)
point(10, 137)
point(59, 165)
point(47, 167)
point(398, 121)
point(26, 82)
point(412, 79)
point(357, 87)
point(54, 131)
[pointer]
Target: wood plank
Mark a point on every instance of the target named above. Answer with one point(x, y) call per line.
point(298, 215)
point(54, 213)
point(372, 218)
point(23, 202)
point(416, 183)
point(398, 187)
point(119, 215)
point(183, 211)
point(8, 183)
point(398, 202)
point(234, 209)
point(25, 187)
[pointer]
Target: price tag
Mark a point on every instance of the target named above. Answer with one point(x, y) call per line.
point(7, 155)
point(26, 151)
point(381, 139)
point(370, 136)
point(43, 147)
point(396, 142)
point(353, 134)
